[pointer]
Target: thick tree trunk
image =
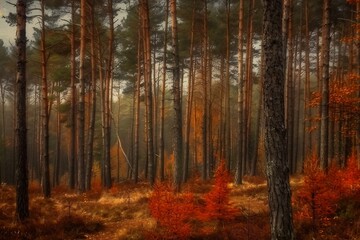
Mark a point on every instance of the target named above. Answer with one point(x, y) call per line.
point(22, 182)
point(275, 132)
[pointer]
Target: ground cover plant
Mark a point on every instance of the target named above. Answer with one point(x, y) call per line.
point(326, 206)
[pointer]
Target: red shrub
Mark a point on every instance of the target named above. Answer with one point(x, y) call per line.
point(173, 212)
point(217, 202)
point(350, 177)
point(316, 200)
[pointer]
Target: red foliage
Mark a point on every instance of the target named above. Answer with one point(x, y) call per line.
point(350, 178)
point(217, 202)
point(173, 212)
point(343, 101)
point(316, 200)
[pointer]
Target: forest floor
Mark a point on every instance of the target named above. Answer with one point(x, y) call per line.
point(123, 213)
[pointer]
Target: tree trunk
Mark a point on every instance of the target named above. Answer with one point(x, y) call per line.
point(137, 109)
point(191, 81)
point(205, 116)
point(22, 182)
point(73, 128)
point(144, 13)
point(248, 87)
point(240, 86)
point(108, 93)
point(90, 141)
point(45, 111)
point(177, 137)
point(227, 147)
point(275, 132)
point(162, 107)
point(81, 104)
point(325, 56)
point(56, 174)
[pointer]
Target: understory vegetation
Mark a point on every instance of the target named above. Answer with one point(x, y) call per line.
point(326, 206)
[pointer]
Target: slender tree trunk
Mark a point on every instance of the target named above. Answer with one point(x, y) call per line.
point(148, 88)
point(240, 139)
point(205, 94)
point(178, 141)
point(191, 81)
point(227, 89)
point(73, 128)
point(81, 104)
point(137, 108)
point(290, 89)
point(275, 132)
point(58, 142)
point(90, 141)
point(22, 195)
point(162, 107)
point(307, 110)
point(108, 94)
point(325, 55)
point(3, 131)
point(45, 110)
point(249, 86)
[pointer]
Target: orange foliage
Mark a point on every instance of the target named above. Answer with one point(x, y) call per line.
point(172, 211)
point(316, 200)
point(217, 202)
point(350, 178)
point(178, 213)
point(344, 102)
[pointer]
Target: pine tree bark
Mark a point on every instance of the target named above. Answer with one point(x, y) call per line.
point(275, 132)
point(144, 14)
point(163, 88)
point(205, 143)
point(137, 109)
point(108, 95)
point(177, 127)
point(240, 86)
point(73, 129)
point(325, 56)
point(45, 110)
point(248, 87)
point(81, 103)
point(90, 140)
point(22, 182)
point(190, 95)
point(227, 154)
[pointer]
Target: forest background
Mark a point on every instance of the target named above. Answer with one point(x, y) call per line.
point(125, 92)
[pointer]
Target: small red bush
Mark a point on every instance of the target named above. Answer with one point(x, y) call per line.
point(316, 200)
point(218, 206)
point(172, 211)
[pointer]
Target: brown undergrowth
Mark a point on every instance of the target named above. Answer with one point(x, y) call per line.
point(123, 213)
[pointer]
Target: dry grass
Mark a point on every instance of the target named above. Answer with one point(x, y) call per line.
point(122, 213)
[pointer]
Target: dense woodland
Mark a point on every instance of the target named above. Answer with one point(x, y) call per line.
point(130, 93)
